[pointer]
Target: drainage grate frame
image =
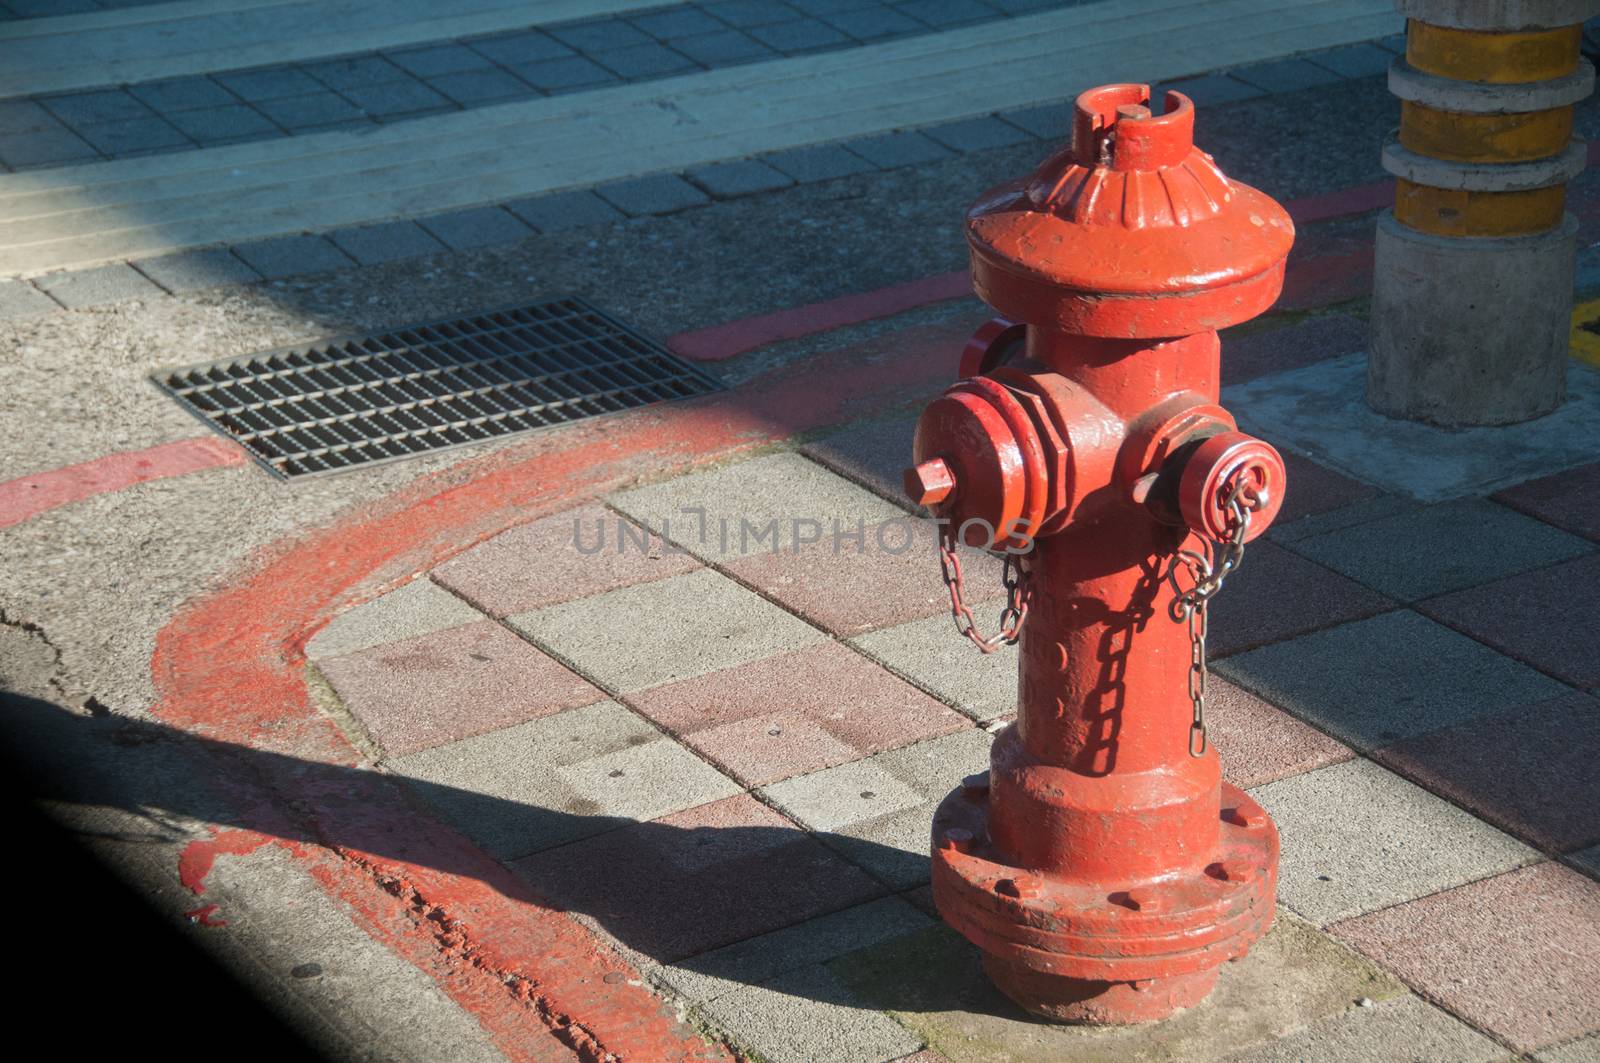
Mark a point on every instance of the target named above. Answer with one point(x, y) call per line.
point(351, 402)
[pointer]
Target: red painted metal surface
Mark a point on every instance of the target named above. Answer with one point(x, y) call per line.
point(1104, 869)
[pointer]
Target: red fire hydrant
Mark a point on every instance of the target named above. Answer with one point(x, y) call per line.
point(1102, 866)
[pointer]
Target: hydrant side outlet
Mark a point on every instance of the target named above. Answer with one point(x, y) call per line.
point(1104, 868)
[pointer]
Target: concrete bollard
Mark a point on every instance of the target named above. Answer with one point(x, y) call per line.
point(1472, 292)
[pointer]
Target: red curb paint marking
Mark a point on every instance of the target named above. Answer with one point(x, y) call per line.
point(1342, 204)
point(229, 668)
point(28, 496)
point(1327, 279)
point(206, 915)
point(198, 857)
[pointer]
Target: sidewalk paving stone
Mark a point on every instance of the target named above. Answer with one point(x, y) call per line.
point(598, 35)
point(1544, 618)
point(823, 163)
point(568, 74)
point(1350, 515)
point(576, 554)
point(1517, 955)
point(450, 684)
point(1434, 549)
point(871, 23)
point(564, 210)
point(891, 150)
point(1314, 488)
point(740, 501)
point(932, 982)
point(1586, 860)
point(649, 60)
point(396, 99)
point(667, 24)
point(520, 48)
point(20, 300)
point(978, 134)
point(96, 107)
point(799, 35)
point(1354, 60)
point(388, 241)
point(661, 193)
point(223, 125)
point(435, 60)
point(698, 880)
point(135, 136)
point(717, 973)
point(942, 13)
point(182, 94)
point(744, 13)
point(1412, 1025)
point(877, 812)
point(1569, 500)
point(1374, 682)
point(1051, 121)
point(310, 111)
point(96, 286)
point(416, 608)
point(795, 713)
point(932, 655)
point(1488, 765)
point(676, 628)
point(874, 454)
point(555, 780)
point(43, 147)
point(463, 230)
point(355, 73)
point(808, 1015)
point(1284, 75)
point(848, 590)
point(289, 256)
point(742, 178)
point(1258, 743)
point(472, 88)
point(269, 83)
point(1583, 1050)
point(725, 47)
point(25, 116)
point(1274, 348)
point(1277, 595)
point(1208, 90)
point(1357, 838)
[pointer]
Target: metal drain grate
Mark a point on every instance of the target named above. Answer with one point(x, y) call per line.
point(350, 402)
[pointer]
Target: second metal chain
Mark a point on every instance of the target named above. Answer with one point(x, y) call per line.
point(1209, 570)
point(1019, 593)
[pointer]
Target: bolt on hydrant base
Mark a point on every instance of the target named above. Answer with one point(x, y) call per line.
point(1102, 866)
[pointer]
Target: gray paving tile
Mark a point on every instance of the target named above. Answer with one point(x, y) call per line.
point(600, 35)
point(269, 83)
point(416, 608)
point(1395, 43)
point(746, 13)
point(823, 163)
point(1209, 90)
point(669, 24)
point(435, 59)
point(321, 108)
point(661, 193)
point(472, 87)
point(1356, 838)
point(890, 150)
point(555, 780)
point(394, 99)
point(977, 134)
point(947, 12)
point(189, 271)
point(648, 634)
point(1354, 60)
point(930, 654)
point(1434, 549)
point(723, 48)
point(564, 210)
point(355, 72)
point(137, 136)
point(290, 256)
point(92, 108)
point(475, 227)
point(808, 1015)
point(1583, 1050)
point(1284, 75)
point(722, 971)
point(1586, 860)
point(44, 147)
point(563, 75)
point(1051, 121)
point(94, 287)
point(20, 300)
point(220, 125)
point(873, 23)
point(745, 177)
point(518, 48)
point(25, 116)
point(1376, 681)
point(387, 241)
point(798, 36)
point(1373, 1033)
point(820, 8)
point(644, 61)
point(183, 94)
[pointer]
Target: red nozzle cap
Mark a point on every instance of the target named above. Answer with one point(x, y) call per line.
point(929, 483)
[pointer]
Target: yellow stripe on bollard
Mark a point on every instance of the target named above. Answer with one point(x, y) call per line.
point(1455, 212)
point(1484, 137)
point(1493, 57)
point(1585, 343)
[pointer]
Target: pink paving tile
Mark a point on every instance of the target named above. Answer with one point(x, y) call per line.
point(1534, 772)
point(796, 713)
point(1545, 618)
point(1276, 595)
point(706, 877)
point(850, 590)
point(873, 453)
point(1314, 488)
point(1262, 349)
point(451, 684)
point(1517, 955)
point(584, 551)
point(1259, 743)
point(1570, 500)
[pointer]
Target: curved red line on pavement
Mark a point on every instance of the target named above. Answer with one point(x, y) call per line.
point(28, 496)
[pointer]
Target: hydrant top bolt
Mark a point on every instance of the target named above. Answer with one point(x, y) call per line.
point(957, 839)
point(976, 785)
point(930, 483)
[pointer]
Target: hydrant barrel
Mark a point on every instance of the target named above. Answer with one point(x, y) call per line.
point(1105, 869)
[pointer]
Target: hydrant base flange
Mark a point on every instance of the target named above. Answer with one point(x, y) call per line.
point(1082, 950)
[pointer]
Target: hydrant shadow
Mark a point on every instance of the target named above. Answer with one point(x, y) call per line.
point(672, 895)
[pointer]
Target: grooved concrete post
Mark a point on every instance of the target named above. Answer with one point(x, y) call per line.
point(1472, 294)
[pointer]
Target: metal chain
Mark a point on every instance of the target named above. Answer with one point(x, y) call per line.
point(1209, 570)
point(1019, 593)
